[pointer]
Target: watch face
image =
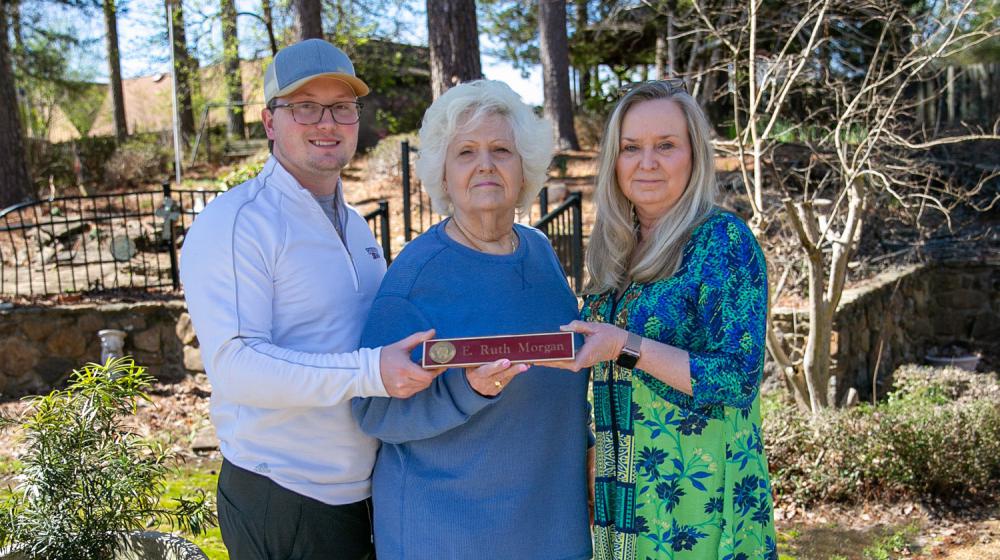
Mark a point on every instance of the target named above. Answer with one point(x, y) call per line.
point(627, 360)
point(629, 355)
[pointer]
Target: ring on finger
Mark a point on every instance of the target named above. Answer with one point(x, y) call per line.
point(498, 383)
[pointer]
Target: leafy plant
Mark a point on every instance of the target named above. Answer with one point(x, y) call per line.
point(936, 435)
point(141, 159)
point(86, 478)
point(242, 173)
point(892, 545)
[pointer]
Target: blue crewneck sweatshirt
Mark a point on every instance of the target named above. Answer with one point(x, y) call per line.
point(460, 475)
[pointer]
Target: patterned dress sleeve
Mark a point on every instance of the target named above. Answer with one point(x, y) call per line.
point(732, 312)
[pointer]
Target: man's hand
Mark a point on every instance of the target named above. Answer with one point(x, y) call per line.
point(403, 378)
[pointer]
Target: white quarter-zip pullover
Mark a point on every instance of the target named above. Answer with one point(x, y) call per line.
point(278, 302)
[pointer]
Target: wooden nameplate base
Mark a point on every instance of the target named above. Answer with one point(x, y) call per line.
point(518, 348)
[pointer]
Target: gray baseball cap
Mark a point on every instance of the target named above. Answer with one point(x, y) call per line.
point(296, 64)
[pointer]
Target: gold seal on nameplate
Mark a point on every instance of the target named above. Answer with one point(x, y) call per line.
point(442, 352)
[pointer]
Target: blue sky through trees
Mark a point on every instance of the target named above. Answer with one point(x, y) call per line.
point(144, 52)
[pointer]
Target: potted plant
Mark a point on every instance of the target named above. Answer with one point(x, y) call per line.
point(88, 485)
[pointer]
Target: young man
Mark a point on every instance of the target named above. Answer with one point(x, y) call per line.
point(279, 274)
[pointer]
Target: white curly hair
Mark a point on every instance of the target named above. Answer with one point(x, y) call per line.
point(468, 103)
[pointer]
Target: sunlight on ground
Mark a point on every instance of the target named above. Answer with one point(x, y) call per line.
point(799, 541)
point(189, 478)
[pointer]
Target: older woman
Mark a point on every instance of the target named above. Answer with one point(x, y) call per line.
point(487, 462)
point(675, 316)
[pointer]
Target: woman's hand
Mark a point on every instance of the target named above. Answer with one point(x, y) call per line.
point(603, 342)
point(489, 379)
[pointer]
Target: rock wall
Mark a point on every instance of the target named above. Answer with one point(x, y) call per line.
point(899, 316)
point(40, 346)
point(894, 319)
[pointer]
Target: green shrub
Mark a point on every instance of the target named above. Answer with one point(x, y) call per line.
point(937, 434)
point(56, 161)
point(85, 477)
point(243, 172)
point(141, 159)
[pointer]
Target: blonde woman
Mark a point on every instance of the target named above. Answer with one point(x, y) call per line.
point(674, 320)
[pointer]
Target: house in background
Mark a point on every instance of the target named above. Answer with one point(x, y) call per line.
point(398, 74)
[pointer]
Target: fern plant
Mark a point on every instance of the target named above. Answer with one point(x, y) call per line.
point(86, 478)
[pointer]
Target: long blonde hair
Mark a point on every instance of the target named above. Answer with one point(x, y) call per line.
point(613, 240)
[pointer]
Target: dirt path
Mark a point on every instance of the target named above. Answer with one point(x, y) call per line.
point(904, 530)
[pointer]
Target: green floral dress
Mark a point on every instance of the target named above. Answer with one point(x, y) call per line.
point(684, 477)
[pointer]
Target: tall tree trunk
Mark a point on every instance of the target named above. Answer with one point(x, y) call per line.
point(15, 183)
point(15, 24)
point(115, 69)
point(710, 85)
point(309, 19)
point(268, 18)
point(950, 93)
point(184, 68)
point(672, 70)
point(826, 285)
point(661, 56)
point(231, 62)
point(453, 35)
point(666, 44)
point(582, 20)
point(555, 71)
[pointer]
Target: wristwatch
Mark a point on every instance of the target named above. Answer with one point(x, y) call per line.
point(630, 353)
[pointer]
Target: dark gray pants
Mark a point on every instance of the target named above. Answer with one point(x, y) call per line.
point(263, 521)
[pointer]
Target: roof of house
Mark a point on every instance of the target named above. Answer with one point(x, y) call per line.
point(148, 99)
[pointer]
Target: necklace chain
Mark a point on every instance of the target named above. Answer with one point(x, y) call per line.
point(468, 237)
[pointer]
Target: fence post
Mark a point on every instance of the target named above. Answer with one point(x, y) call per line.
point(543, 202)
point(175, 278)
point(405, 163)
point(383, 208)
point(578, 240)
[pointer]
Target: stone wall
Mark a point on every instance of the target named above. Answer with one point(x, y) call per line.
point(892, 320)
point(40, 346)
point(899, 316)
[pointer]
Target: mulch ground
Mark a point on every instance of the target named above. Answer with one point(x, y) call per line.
point(177, 415)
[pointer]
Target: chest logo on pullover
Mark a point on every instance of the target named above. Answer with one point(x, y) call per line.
point(373, 251)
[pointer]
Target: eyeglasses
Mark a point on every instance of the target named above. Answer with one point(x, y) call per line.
point(307, 112)
point(675, 85)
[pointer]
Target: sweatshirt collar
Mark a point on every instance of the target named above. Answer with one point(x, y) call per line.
point(277, 176)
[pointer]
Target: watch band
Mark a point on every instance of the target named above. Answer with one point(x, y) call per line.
point(630, 352)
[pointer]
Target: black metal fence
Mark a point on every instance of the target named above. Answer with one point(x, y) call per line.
point(563, 225)
point(108, 242)
point(564, 228)
point(418, 215)
point(378, 221)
